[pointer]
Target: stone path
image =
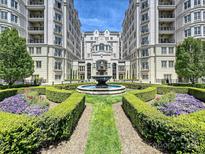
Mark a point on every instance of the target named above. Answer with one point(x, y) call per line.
point(130, 140)
point(77, 142)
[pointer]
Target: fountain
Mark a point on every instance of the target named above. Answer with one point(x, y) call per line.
point(101, 88)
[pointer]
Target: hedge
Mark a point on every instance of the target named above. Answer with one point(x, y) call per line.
point(145, 94)
point(56, 95)
point(134, 85)
point(198, 93)
point(166, 89)
point(7, 93)
point(177, 135)
point(23, 134)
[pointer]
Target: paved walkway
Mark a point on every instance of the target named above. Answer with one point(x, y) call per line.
point(130, 140)
point(77, 142)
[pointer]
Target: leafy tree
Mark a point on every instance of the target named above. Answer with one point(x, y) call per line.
point(15, 61)
point(190, 59)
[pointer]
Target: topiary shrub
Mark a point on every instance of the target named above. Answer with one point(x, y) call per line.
point(198, 93)
point(7, 93)
point(167, 89)
point(56, 95)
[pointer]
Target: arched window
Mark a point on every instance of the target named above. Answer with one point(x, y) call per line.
point(88, 71)
point(114, 71)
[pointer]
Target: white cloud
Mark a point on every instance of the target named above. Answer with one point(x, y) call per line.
point(92, 21)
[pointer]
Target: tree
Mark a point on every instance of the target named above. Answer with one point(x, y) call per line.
point(190, 59)
point(15, 61)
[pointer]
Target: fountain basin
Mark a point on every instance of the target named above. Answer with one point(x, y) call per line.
point(95, 90)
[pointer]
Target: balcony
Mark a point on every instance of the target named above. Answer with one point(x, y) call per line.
point(36, 30)
point(166, 30)
point(166, 17)
point(166, 5)
point(36, 17)
point(166, 40)
point(36, 41)
point(36, 5)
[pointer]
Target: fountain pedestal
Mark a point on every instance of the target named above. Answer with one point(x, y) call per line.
point(102, 79)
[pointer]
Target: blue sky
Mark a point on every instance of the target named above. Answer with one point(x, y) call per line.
point(101, 14)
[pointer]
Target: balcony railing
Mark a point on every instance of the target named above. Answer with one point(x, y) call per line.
point(167, 16)
point(166, 28)
point(36, 28)
point(166, 41)
point(35, 41)
point(166, 3)
point(36, 3)
point(36, 16)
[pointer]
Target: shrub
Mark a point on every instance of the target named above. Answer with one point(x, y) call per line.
point(7, 93)
point(22, 134)
point(56, 95)
point(198, 93)
point(146, 94)
point(175, 134)
point(167, 89)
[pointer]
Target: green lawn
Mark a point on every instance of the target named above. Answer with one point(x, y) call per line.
point(103, 135)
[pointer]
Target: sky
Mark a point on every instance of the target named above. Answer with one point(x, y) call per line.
point(101, 14)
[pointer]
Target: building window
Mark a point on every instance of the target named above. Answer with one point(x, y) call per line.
point(58, 65)
point(145, 65)
point(58, 53)
point(187, 32)
point(38, 64)
point(145, 77)
point(57, 77)
point(164, 64)
point(187, 4)
point(58, 40)
point(145, 52)
point(14, 4)
point(4, 15)
point(171, 50)
point(114, 71)
point(171, 64)
point(38, 50)
point(197, 15)
point(164, 50)
point(197, 30)
point(197, 2)
point(187, 18)
point(14, 18)
point(31, 50)
point(3, 2)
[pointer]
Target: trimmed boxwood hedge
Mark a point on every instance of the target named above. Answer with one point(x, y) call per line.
point(146, 94)
point(182, 134)
point(7, 93)
point(56, 95)
point(166, 89)
point(24, 134)
point(198, 93)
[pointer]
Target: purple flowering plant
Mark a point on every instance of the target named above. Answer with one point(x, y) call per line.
point(182, 104)
point(33, 105)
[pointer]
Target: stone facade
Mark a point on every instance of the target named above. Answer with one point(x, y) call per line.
point(151, 31)
point(101, 50)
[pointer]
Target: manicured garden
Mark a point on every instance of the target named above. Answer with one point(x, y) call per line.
point(23, 133)
point(170, 117)
point(175, 122)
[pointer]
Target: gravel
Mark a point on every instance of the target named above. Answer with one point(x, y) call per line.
point(77, 142)
point(131, 142)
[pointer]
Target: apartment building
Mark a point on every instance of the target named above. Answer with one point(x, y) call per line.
point(13, 13)
point(101, 55)
point(54, 38)
point(151, 31)
point(52, 31)
point(149, 40)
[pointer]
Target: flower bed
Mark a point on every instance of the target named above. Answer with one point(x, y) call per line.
point(29, 103)
point(181, 104)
